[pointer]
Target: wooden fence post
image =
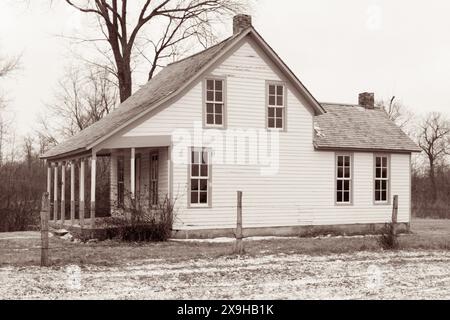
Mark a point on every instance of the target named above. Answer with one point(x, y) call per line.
point(239, 246)
point(45, 208)
point(394, 215)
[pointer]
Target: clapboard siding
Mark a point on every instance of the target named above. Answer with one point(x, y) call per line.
point(303, 190)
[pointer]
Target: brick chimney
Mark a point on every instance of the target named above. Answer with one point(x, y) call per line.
point(367, 100)
point(241, 22)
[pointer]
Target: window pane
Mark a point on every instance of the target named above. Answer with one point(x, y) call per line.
point(204, 185)
point(340, 161)
point(384, 172)
point(210, 118)
point(347, 172)
point(339, 185)
point(218, 108)
point(219, 96)
point(347, 161)
point(194, 184)
point(377, 196)
point(195, 170)
point(340, 172)
point(209, 108)
point(280, 100)
point(280, 90)
point(346, 196)
point(384, 162)
point(194, 197)
point(205, 157)
point(347, 185)
point(219, 85)
point(384, 185)
point(383, 196)
point(272, 112)
point(195, 157)
point(279, 112)
point(210, 84)
point(272, 89)
point(204, 170)
point(279, 123)
point(339, 196)
point(378, 172)
point(203, 197)
point(271, 123)
point(272, 100)
point(218, 119)
point(378, 161)
point(210, 95)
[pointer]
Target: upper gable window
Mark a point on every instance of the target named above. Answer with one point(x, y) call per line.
point(215, 103)
point(276, 106)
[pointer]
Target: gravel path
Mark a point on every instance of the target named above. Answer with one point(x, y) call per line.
point(363, 275)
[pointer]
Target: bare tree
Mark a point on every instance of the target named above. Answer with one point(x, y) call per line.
point(82, 98)
point(434, 139)
point(397, 112)
point(7, 66)
point(122, 24)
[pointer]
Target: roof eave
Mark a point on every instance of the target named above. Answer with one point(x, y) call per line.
point(357, 149)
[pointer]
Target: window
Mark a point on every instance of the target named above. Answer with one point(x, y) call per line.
point(199, 177)
point(215, 102)
point(381, 179)
point(120, 181)
point(276, 106)
point(154, 179)
point(343, 179)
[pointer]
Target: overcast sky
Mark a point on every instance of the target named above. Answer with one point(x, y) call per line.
point(337, 48)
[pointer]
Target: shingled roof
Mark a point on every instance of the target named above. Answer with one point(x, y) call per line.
point(341, 127)
point(352, 127)
point(168, 81)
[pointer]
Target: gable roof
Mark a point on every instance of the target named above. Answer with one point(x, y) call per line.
point(167, 84)
point(352, 127)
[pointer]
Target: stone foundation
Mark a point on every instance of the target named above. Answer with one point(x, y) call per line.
point(295, 231)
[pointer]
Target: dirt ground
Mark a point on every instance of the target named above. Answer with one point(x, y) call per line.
point(292, 268)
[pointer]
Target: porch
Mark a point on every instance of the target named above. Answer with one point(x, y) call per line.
point(140, 171)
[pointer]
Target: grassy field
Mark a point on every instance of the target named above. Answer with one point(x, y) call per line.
point(291, 268)
point(23, 249)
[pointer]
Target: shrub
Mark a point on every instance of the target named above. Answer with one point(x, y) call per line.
point(138, 221)
point(388, 237)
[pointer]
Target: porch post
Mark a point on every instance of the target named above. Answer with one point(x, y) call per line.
point(63, 193)
point(93, 182)
point(72, 193)
point(55, 194)
point(49, 183)
point(82, 192)
point(133, 173)
point(169, 172)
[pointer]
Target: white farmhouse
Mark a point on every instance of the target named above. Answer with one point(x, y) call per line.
point(235, 117)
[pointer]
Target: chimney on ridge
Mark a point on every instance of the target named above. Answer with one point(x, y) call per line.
point(241, 22)
point(367, 100)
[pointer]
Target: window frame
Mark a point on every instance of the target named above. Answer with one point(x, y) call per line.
point(208, 203)
point(283, 107)
point(388, 179)
point(153, 201)
point(205, 102)
point(350, 179)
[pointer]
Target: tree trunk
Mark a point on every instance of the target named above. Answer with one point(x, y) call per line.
point(433, 182)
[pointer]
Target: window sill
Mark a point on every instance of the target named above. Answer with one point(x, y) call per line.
point(193, 206)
